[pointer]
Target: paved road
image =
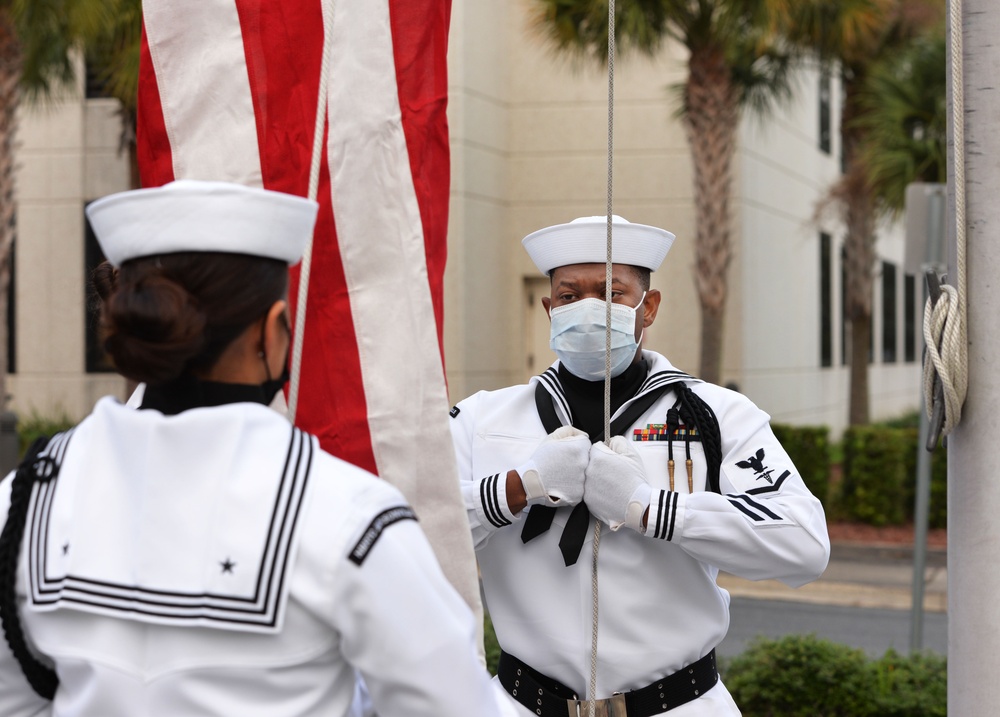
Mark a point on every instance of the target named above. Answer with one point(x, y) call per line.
point(862, 600)
point(874, 630)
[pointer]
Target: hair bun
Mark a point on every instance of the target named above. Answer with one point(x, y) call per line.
point(154, 328)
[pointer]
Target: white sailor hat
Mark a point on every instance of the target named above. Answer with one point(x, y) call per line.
point(190, 215)
point(584, 241)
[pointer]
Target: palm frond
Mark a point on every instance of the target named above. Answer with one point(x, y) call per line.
point(903, 120)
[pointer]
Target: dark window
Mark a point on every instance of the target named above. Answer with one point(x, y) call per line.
point(12, 311)
point(844, 360)
point(97, 358)
point(909, 318)
point(843, 144)
point(96, 84)
point(825, 300)
point(889, 323)
point(824, 112)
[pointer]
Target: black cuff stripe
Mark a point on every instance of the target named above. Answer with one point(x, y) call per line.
point(658, 533)
point(496, 501)
point(672, 515)
point(484, 496)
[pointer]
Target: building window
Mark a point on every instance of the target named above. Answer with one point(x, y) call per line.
point(97, 358)
point(825, 90)
point(909, 318)
point(825, 300)
point(889, 322)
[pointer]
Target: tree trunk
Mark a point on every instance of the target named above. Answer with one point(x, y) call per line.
point(860, 343)
point(10, 71)
point(857, 201)
point(710, 120)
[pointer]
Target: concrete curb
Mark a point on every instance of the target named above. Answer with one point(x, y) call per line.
point(859, 575)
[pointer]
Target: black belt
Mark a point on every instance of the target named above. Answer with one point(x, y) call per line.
point(550, 698)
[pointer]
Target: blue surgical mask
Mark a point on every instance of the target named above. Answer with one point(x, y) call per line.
point(578, 337)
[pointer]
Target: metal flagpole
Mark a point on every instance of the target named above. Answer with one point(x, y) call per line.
point(973, 487)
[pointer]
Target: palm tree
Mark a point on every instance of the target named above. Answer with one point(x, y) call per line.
point(904, 120)
point(734, 62)
point(857, 35)
point(38, 39)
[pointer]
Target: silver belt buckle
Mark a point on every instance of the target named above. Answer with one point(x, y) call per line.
point(613, 706)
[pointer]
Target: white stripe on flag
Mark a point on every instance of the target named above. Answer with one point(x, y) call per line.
point(207, 106)
point(382, 247)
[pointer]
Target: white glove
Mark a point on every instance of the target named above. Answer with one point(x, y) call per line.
point(554, 474)
point(615, 489)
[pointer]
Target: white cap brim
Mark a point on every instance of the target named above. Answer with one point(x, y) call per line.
point(189, 215)
point(584, 241)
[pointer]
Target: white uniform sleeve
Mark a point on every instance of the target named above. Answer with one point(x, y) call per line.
point(485, 497)
point(765, 524)
point(406, 630)
point(17, 698)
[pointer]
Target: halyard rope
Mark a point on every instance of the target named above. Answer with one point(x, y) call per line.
point(946, 319)
point(607, 342)
point(306, 265)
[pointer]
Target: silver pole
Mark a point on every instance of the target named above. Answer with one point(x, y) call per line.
point(920, 512)
point(973, 487)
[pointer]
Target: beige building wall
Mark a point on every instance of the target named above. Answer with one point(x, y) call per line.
point(529, 137)
point(67, 155)
point(529, 149)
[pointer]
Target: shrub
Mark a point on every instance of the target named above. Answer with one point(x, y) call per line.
point(804, 676)
point(809, 449)
point(491, 644)
point(914, 686)
point(799, 676)
point(876, 483)
point(35, 426)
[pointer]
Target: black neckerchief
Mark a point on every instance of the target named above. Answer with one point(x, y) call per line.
point(586, 398)
point(186, 392)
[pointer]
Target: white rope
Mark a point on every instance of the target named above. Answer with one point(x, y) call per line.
point(592, 702)
point(946, 319)
point(306, 265)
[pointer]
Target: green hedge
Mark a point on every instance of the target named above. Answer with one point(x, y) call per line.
point(34, 426)
point(804, 676)
point(809, 449)
point(880, 468)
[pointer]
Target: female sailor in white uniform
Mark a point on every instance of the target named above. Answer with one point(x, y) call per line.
point(200, 555)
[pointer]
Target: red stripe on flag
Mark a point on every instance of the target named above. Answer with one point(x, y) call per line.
point(156, 164)
point(420, 47)
point(332, 403)
point(284, 85)
point(283, 54)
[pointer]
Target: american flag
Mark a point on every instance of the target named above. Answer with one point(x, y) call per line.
point(228, 91)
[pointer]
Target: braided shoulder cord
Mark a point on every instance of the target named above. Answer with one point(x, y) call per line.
point(695, 411)
point(42, 678)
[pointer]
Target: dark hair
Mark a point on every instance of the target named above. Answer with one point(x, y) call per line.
point(642, 275)
point(167, 315)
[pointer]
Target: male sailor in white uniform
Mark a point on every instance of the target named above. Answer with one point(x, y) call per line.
point(200, 556)
point(693, 482)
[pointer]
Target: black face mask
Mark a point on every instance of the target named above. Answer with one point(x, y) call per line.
point(270, 387)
